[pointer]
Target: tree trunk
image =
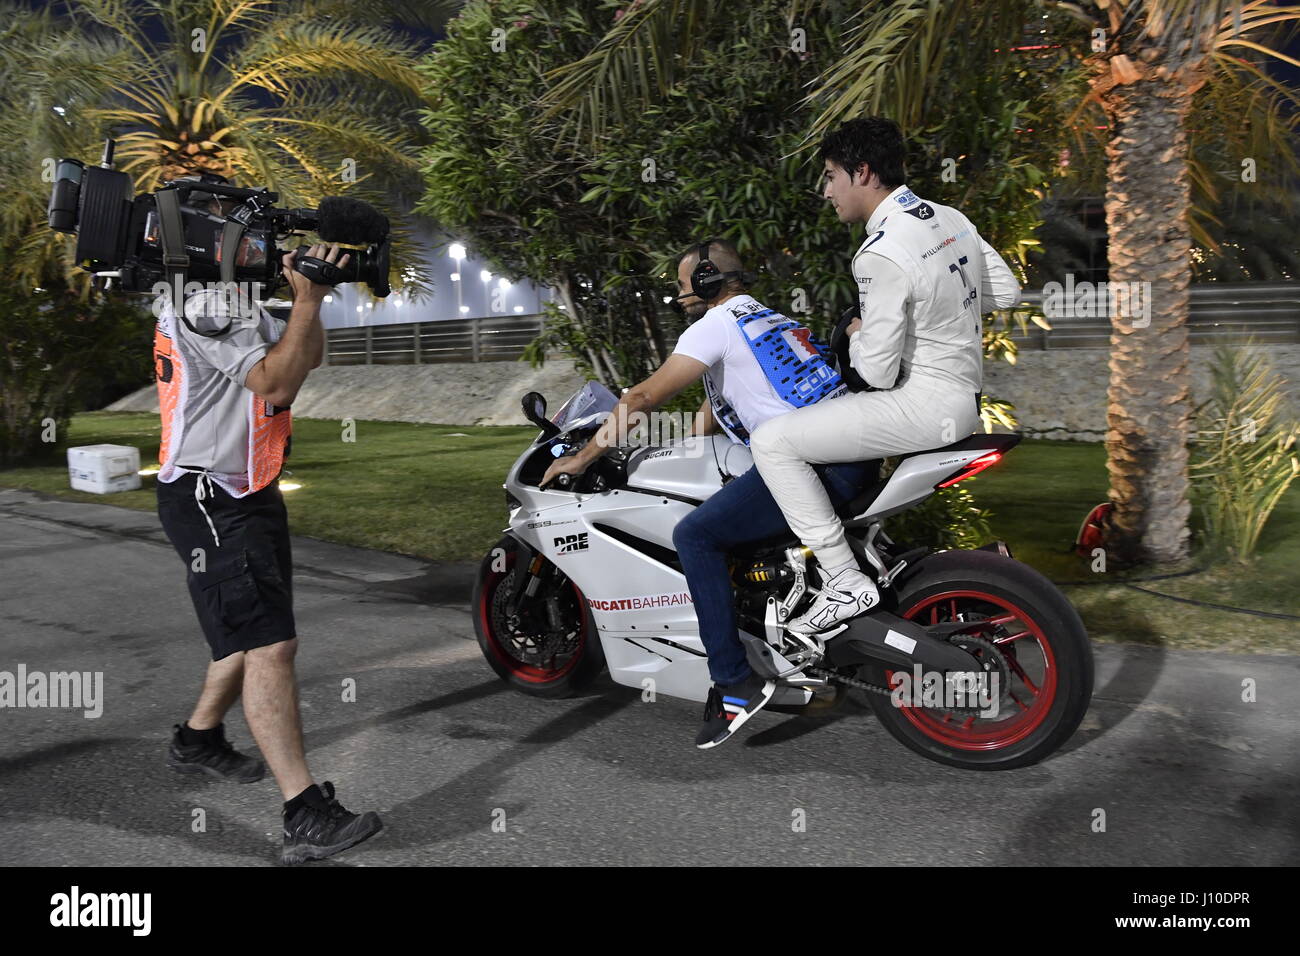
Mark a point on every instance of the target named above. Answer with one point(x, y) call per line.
point(566, 293)
point(1149, 400)
point(654, 334)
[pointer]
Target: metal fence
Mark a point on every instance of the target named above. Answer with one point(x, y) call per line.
point(427, 343)
point(1269, 313)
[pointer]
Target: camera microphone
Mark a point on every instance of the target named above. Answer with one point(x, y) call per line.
point(346, 220)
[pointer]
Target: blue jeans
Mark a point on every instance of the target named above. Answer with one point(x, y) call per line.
point(742, 511)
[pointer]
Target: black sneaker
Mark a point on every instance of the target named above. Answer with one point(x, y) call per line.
point(214, 757)
point(729, 707)
point(322, 827)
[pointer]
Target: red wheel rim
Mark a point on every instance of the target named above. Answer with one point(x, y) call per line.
point(1031, 697)
point(521, 669)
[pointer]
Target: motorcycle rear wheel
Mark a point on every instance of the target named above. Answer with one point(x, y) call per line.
point(1036, 637)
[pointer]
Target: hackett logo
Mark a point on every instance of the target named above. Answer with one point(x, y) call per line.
point(640, 603)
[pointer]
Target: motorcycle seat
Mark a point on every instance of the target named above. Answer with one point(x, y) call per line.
point(1000, 442)
point(863, 500)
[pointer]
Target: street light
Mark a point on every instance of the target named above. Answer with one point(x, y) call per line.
point(457, 252)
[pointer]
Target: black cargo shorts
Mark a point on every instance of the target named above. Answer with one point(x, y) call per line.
point(242, 588)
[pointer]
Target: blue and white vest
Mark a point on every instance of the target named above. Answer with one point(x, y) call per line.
point(796, 364)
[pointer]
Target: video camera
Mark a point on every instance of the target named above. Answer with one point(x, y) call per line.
point(156, 237)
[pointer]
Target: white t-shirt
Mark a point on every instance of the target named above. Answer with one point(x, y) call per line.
point(215, 434)
point(734, 375)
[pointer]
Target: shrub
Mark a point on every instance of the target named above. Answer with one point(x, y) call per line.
point(1244, 451)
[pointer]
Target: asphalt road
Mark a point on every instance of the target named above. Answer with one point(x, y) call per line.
point(1186, 773)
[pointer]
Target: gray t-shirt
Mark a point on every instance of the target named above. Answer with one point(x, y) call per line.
point(216, 406)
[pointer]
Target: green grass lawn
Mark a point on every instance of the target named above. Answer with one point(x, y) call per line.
point(1039, 495)
point(415, 489)
point(434, 491)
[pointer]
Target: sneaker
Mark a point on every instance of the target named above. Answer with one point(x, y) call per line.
point(729, 707)
point(214, 757)
point(842, 598)
point(321, 828)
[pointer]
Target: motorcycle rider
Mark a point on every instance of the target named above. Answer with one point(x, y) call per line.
point(925, 278)
point(748, 379)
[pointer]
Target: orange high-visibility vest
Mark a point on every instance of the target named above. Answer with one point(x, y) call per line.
point(269, 426)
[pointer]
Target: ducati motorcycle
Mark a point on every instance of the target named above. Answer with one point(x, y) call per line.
point(971, 658)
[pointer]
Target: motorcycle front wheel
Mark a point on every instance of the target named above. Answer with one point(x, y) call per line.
point(549, 646)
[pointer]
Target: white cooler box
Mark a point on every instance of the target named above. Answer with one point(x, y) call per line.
point(104, 469)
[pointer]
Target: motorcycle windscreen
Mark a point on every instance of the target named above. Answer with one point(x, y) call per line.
point(591, 403)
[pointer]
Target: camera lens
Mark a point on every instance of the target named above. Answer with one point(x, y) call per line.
point(375, 272)
point(66, 195)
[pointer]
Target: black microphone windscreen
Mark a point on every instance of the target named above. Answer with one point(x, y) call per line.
point(341, 219)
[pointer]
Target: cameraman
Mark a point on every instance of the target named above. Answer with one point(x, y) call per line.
point(227, 372)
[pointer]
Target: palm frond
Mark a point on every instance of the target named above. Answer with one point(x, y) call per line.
point(895, 54)
point(277, 95)
point(423, 14)
point(1244, 455)
point(122, 18)
point(635, 63)
point(276, 60)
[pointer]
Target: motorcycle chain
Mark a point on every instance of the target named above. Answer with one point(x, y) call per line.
point(875, 689)
point(846, 680)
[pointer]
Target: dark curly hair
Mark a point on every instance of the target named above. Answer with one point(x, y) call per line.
point(874, 141)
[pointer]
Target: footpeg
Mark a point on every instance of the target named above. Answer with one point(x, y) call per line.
point(795, 558)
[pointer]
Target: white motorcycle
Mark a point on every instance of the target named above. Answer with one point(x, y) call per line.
point(972, 658)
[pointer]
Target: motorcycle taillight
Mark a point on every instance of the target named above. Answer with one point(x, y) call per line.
point(972, 469)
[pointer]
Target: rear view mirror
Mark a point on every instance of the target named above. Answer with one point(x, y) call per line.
point(534, 408)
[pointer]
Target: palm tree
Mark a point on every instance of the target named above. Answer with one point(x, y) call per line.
point(308, 98)
point(1154, 64)
point(1152, 58)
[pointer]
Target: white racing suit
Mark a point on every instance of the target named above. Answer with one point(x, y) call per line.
point(925, 280)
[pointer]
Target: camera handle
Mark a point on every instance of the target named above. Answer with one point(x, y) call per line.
point(176, 261)
point(318, 270)
point(232, 233)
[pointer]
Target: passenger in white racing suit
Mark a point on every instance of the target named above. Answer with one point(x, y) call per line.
point(925, 279)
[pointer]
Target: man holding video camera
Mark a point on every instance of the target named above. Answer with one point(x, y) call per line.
point(227, 374)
